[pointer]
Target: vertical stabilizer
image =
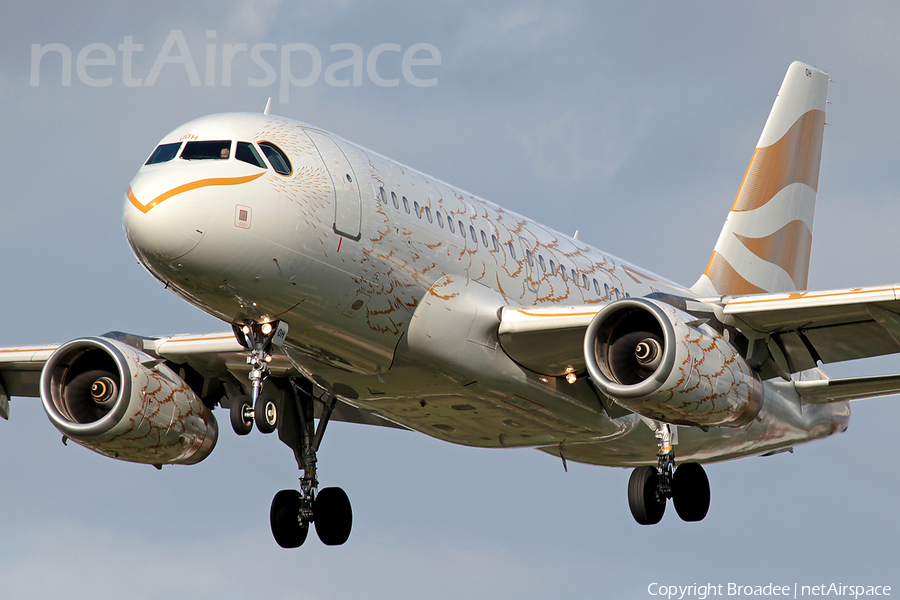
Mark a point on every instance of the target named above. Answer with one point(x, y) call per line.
point(765, 243)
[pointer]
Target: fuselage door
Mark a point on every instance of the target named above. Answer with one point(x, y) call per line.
point(532, 277)
point(347, 202)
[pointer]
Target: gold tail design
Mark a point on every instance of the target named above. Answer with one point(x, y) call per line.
point(765, 243)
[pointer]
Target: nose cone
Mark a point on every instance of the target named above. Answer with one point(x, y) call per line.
point(164, 221)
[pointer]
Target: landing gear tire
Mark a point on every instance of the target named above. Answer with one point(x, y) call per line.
point(642, 498)
point(241, 422)
point(265, 413)
point(690, 492)
point(333, 516)
point(284, 517)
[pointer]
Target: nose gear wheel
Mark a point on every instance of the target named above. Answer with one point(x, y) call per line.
point(261, 408)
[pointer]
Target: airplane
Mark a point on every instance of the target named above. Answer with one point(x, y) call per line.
point(361, 290)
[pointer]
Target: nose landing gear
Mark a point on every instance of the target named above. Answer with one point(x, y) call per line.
point(649, 488)
point(261, 407)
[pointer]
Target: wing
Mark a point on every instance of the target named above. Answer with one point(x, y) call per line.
point(214, 365)
point(828, 326)
point(786, 333)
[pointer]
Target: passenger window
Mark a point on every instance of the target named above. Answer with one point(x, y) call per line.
point(562, 271)
point(382, 196)
point(277, 158)
point(405, 204)
point(462, 229)
point(450, 225)
point(596, 287)
point(394, 200)
point(474, 236)
point(440, 219)
point(574, 277)
point(512, 250)
point(584, 282)
point(212, 150)
point(494, 241)
point(529, 257)
point(541, 261)
point(418, 211)
point(552, 267)
point(247, 153)
point(428, 214)
point(484, 239)
point(163, 153)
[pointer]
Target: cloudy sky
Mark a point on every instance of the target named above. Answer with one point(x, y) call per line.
point(630, 121)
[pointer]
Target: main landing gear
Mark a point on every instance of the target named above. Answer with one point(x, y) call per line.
point(292, 511)
point(650, 487)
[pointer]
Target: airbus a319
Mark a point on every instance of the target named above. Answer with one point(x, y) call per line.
point(359, 289)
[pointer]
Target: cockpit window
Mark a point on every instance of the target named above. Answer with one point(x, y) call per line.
point(217, 150)
point(247, 153)
point(163, 153)
point(277, 158)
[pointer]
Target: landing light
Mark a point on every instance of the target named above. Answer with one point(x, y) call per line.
point(266, 329)
point(571, 377)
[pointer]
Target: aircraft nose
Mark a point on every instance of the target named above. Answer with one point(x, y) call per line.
point(162, 221)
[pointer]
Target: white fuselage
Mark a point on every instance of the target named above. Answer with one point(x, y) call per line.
point(391, 282)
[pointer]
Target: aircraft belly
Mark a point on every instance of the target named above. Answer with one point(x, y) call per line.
point(781, 424)
point(434, 402)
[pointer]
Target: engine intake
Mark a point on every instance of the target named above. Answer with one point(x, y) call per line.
point(116, 400)
point(665, 364)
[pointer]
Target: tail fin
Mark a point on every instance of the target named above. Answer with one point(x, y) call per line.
point(765, 243)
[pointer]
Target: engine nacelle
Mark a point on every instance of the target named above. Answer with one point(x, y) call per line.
point(116, 400)
point(662, 363)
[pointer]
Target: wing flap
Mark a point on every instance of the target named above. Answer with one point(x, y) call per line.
point(828, 326)
point(783, 312)
point(20, 369)
point(853, 388)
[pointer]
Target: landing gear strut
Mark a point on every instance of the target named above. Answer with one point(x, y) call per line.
point(650, 487)
point(260, 407)
point(293, 511)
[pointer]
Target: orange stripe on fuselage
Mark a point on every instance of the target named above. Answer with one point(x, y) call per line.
point(145, 208)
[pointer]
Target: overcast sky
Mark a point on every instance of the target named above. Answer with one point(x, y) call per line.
point(633, 122)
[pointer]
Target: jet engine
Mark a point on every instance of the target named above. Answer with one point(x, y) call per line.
point(665, 364)
point(116, 400)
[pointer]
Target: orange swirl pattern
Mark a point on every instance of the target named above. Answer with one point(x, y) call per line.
point(726, 279)
point(789, 248)
point(792, 159)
